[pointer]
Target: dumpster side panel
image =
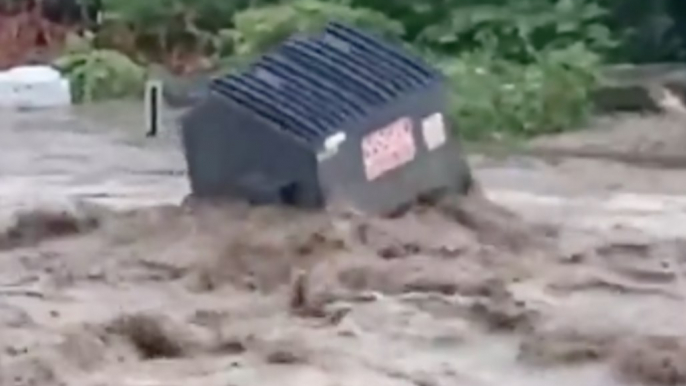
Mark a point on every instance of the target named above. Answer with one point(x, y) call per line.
point(437, 163)
point(233, 152)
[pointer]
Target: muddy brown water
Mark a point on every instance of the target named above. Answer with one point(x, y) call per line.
point(572, 273)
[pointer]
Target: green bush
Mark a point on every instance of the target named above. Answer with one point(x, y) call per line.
point(517, 30)
point(259, 29)
point(494, 98)
point(516, 68)
point(98, 75)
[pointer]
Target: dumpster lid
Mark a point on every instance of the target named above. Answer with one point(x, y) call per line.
point(312, 86)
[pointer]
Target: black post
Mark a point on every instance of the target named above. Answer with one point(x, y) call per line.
point(153, 107)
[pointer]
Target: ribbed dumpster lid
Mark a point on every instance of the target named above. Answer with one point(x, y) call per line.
point(386, 54)
point(311, 86)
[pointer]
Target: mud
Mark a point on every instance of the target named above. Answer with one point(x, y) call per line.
point(658, 360)
point(568, 272)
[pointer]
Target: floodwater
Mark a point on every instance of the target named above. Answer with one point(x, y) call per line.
point(98, 153)
point(572, 274)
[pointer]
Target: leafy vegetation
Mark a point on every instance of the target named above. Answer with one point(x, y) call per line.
point(101, 74)
point(497, 99)
point(516, 67)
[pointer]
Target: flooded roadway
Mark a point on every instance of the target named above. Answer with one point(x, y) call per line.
point(423, 300)
point(100, 154)
point(97, 153)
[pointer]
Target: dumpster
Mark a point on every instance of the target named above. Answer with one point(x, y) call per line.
point(336, 117)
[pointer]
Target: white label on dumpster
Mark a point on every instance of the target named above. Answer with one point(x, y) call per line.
point(331, 145)
point(388, 148)
point(335, 140)
point(433, 130)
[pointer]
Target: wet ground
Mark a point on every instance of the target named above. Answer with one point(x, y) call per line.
point(573, 274)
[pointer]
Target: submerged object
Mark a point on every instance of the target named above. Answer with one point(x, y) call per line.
point(336, 117)
point(33, 87)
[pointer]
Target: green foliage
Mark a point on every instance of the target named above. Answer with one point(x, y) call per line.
point(517, 30)
point(495, 98)
point(650, 31)
point(155, 15)
point(516, 67)
point(259, 29)
point(101, 74)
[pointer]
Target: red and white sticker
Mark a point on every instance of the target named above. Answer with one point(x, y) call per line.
point(388, 148)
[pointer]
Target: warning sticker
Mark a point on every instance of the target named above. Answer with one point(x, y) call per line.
point(433, 130)
point(388, 148)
